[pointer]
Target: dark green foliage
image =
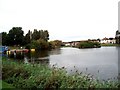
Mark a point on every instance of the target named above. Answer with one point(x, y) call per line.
point(55, 44)
point(39, 44)
point(6, 85)
point(40, 76)
point(38, 39)
point(15, 36)
point(42, 44)
point(88, 44)
point(41, 34)
point(27, 38)
point(4, 38)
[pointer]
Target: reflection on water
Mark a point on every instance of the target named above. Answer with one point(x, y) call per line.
point(55, 52)
point(100, 62)
point(31, 57)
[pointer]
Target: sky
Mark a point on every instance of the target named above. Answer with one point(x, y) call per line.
point(66, 20)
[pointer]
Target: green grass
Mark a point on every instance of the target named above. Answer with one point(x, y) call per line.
point(40, 76)
point(5, 85)
point(110, 44)
point(16, 47)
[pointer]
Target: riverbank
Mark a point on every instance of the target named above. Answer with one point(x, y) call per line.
point(21, 75)
point(110, 44)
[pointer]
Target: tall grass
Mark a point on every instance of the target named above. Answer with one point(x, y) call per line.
point(40, 76)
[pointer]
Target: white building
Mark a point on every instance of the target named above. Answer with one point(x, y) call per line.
point(108, 40)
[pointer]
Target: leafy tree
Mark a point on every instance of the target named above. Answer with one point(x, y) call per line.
point(46, 35)
point(27, 38)
point(35, 35)
point(39, 44)
point(55, 44)
point(41, 34)
point(4, 38)
point(15, 36)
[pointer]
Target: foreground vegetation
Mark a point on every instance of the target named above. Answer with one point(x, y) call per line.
point(6, 85)
point(21, 75)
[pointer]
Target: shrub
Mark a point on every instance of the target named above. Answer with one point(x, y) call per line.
point(88, 45)
point(39, 44)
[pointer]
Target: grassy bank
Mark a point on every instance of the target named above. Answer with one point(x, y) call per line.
point(109, 44)
point(22, 75)
point(5, 85)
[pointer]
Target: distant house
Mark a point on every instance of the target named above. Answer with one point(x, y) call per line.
point(94, 40)
point(75, 43)
point(67, 43)
point(108, 40)
point(72, 43)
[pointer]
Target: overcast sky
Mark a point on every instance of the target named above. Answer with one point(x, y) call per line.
point(66, 20)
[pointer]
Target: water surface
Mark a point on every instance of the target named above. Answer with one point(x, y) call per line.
point(100, 62)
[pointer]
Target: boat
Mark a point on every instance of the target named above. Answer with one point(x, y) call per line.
point(19, 50)
point(3, 49)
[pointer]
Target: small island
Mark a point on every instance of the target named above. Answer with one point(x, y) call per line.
point(88, 44)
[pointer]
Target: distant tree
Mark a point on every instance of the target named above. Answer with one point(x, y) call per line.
point(46, 35)
point(88, 44)
point(35, 35)
point(27, 38)
point(111, 38)
point(4, 38)
point(41, 34)
point(15, 36)
point(55, 44)
point(39, 44)
point(98, 39)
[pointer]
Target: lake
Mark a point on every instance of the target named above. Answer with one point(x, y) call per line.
point(102, 62)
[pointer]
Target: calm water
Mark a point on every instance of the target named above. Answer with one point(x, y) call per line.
point(100, 62)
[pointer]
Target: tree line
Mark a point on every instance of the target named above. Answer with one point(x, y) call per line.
point(37, 39)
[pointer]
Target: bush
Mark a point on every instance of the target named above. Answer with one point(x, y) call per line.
point(39, 44)
point(88, 45)
point(55, 44)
